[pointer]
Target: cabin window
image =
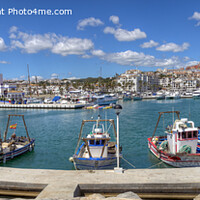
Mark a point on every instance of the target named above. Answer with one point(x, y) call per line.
point(179, 135)
point(183, 135)
point(97, 142)
point(190, 134)
point(102, 142)
point(195, 134)
point(92, 142)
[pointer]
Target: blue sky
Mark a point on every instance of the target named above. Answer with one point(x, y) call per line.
point(113, 35)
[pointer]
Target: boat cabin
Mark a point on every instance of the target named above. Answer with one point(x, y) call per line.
point(182, 136)
point(97, 142)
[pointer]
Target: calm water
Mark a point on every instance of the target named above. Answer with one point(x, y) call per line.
point(56, 131)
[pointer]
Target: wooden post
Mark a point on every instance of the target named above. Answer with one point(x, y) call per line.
point(79, 138)
point(114, 127)
point(106, 140)
point(26, 129)
point(5, 134)
point(85, 140)
point(156, 126)
point(160, 114)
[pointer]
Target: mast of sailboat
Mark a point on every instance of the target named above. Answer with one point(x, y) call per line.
point(36, 85)
point(29, 81)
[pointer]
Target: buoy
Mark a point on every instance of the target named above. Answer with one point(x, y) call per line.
point(71, 159)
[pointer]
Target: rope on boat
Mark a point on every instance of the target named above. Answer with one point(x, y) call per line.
point(127, 162)
point(155, 164)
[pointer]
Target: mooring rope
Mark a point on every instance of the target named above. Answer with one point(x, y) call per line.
point(127, 162)
point(155, 164)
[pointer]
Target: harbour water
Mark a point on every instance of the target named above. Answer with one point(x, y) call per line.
point(56, 131)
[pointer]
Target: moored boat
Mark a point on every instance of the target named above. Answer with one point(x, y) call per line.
point(196, 94)
point(98, 149)
point(15, 145)
point(104, 100)
point(178, 147)
point(137, 98)
point(173, 95)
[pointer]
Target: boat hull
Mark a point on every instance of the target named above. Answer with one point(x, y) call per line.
point(137, 98)
point(94, 163)
point(181, 160)
point(17, 152)
point(160, 98)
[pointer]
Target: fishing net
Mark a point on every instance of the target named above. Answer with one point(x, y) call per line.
point(185, 149)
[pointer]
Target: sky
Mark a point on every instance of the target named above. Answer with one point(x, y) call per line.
point(91, 38)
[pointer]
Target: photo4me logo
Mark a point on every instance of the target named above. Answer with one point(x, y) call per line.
point(35, 11)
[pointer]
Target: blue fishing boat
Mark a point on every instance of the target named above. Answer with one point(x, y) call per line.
point(98, 150)
point(15, 145)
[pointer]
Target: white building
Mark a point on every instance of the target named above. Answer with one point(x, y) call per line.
point(10, 91)
point(133, 81)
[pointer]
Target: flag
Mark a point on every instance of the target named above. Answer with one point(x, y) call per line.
point(13, 126)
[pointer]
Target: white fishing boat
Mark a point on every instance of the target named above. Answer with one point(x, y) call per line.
point(196, 94)
point(104, 99)
point(178, 147)
point(160, 96)
point(98, 149)
point(172, 95)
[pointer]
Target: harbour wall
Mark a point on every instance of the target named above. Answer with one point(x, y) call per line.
point(70, 184)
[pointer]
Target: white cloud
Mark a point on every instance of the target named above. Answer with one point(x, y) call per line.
point(124, 35)
point(173, 47)
point(86, 56)
point(13, 29)
point(54, 75)
point(22, 77)
point(4, 62)
point(193, 62)
point(196, 16)
point(3, 46)
point(114, 19)
point(39, 78)
point(89, 22)
point(33, 43)
point(97, 53)
point(149, 44)
point(109, 30)
point(132, 58)
point(73, 78)
point(72, 46)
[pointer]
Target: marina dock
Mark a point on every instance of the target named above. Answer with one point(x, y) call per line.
point(42, 106)
point(68, 184)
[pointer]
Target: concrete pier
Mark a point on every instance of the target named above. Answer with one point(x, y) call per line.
point(66, 184)
point(42, 106)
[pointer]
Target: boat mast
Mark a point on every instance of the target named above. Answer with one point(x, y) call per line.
point(29, 81)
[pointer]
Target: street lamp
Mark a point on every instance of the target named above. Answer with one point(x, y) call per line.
point(118, 109)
